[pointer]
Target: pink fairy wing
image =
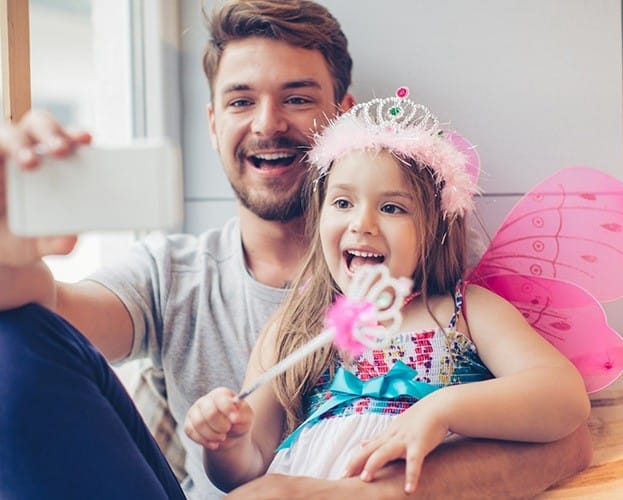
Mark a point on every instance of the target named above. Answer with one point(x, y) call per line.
point(558, 252)
point(569, 227)
point(472, 159)
point(570, 319)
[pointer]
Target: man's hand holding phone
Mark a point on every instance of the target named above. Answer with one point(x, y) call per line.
point(54, 183)
point(18, 142)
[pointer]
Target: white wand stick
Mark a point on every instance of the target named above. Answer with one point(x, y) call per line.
point(302, 352)
point(381, 296)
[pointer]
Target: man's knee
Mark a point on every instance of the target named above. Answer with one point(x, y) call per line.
point(16, 325)
point(33, 338)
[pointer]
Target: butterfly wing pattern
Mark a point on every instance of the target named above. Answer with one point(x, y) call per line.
point(557, 256)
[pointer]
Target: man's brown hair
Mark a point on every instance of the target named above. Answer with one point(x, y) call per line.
point(301, 23)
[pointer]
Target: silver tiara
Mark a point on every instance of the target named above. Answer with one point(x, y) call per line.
point(396, 113)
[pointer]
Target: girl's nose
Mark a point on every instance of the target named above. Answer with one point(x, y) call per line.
point(364, 221)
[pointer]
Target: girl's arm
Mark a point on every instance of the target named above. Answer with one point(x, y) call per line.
point(239, 437)
point(465, 468)
point(538, 395)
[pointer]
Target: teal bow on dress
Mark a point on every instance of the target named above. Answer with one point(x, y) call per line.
point(397, 382)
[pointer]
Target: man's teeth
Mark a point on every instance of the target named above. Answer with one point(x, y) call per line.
point(273, 156)
point(272, 159)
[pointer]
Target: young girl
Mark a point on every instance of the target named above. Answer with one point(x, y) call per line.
point(389, 189)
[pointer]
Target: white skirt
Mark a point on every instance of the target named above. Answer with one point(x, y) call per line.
point(323, 449)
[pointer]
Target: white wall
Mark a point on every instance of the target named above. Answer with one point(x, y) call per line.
point(535, 84)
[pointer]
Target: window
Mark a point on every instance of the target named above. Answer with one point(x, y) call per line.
point(97, 65)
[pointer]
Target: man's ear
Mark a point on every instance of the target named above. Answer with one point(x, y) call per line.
point(347, 102)
point(212, 125)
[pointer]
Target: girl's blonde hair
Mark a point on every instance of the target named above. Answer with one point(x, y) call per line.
point(441, 262)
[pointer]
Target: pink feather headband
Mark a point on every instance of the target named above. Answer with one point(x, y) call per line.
point(410, 131)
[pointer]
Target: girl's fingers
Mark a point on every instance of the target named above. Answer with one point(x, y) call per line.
point(210, 442)
point(354, 465)
point(391, 450)
point(228, 404)
point(359, 457)
point(413, 467)
point(205, 422)
point(191, 429)
point(216, 417)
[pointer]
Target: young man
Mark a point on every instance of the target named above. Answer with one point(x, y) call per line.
point(194, 305)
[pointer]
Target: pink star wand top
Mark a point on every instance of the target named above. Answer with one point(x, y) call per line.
point(366, 317)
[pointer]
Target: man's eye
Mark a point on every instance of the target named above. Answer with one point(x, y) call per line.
point(240, 103)
point(297, 100)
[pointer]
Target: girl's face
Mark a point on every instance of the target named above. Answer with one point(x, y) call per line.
point(368, 217)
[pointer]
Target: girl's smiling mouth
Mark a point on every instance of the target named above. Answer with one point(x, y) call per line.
point(357, 258)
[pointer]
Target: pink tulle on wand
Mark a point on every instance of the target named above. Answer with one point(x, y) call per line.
point(344, 317)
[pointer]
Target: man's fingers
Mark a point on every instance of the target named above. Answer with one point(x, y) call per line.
point(18, 251)
point(16, 143)
point(79, 136)
point(55, 245)
point(36, 134)
point(43, 129)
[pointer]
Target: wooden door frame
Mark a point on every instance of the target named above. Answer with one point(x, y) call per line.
point(15, 45)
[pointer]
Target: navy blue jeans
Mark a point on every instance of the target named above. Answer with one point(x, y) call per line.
point(68, 429)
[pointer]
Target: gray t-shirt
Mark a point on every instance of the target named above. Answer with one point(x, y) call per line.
point(197, 313)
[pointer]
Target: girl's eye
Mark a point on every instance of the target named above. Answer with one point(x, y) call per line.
point(341, 203)
point(390, 208)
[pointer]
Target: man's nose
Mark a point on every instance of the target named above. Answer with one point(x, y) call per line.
point(364, 220)
point(269, 119)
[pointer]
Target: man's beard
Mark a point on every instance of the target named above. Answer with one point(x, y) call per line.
point(279, 205)
point(277, 209)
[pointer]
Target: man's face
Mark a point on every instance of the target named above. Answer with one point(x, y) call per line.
point(268, 98)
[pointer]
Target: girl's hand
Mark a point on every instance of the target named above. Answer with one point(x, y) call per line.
point(218, 420)
point(411, 436)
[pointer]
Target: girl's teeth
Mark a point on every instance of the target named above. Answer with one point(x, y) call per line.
point(366, 255)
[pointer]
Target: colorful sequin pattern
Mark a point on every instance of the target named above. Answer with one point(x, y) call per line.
point(439, 357)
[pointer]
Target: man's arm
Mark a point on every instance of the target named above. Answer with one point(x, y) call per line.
point(97, 312)
point(473, 468)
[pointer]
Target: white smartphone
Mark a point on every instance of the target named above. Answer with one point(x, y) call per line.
point(133, 187)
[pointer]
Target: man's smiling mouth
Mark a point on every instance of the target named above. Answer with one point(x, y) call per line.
point(270, 160)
